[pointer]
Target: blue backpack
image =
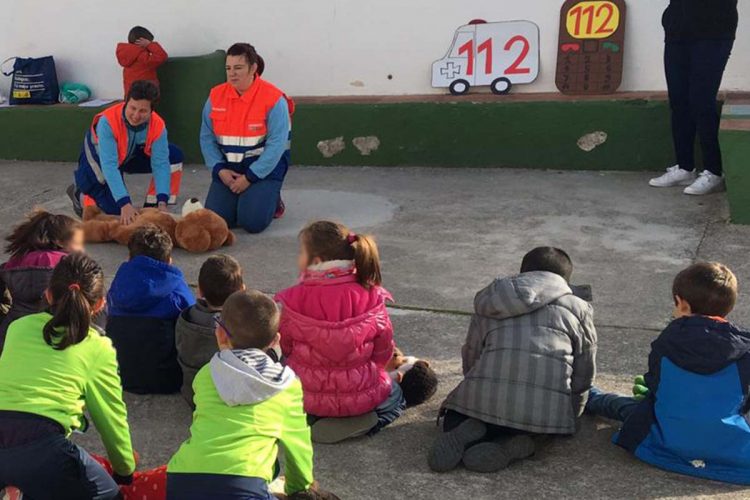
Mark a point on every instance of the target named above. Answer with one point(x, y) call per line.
point(34, 81)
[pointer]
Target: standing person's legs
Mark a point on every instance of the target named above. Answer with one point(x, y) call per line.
point(257, 205)
point(223, 201)
point(708, 59)
point(609, 405)
point(677, 66)
point(56, 469)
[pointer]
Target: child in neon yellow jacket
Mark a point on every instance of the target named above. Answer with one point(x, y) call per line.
point(245, 406)
point(53, 366)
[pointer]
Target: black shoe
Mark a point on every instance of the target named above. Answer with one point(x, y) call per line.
point(75, 196)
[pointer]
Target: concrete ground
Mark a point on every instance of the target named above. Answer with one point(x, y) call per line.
point(443, 234)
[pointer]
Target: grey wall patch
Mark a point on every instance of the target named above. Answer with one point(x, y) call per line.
point(357, 83)
point(331, 147)
point(366, 145)
point(589, 142)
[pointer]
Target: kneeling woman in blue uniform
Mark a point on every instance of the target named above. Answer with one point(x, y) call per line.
point(245, 138)
point(127, 138)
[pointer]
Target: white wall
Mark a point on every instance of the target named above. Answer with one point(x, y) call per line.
point(319, 47)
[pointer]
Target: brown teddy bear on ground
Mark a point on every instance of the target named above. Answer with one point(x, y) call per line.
point(199, 230)
point(99, 227)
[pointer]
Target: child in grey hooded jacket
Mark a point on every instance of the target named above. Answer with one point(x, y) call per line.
point(528, 364)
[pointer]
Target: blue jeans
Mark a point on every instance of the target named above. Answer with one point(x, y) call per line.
point(609, 405)
point(251, 210)
point(390, 409)
point(55, 468)
point(195, 486)
point(694, 70)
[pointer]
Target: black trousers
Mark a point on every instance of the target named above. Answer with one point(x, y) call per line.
point(694, 70)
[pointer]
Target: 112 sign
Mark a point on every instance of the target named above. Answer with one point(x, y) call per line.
point(592, 20)
point(496, 54)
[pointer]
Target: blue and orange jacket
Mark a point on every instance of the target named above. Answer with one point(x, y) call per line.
point(110, 142)
point(248, 133)
point(695, 418)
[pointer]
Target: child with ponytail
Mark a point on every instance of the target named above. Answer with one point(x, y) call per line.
point(336, 334)
point(55, 364)
point(35, 246)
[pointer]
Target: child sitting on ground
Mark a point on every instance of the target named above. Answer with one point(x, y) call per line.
point(245, 406)
point(145, 299)
point(337, 336)
point(528, 364)
point(140, 57)
point(54, 365)
point(694, 417)
point(417, 379)
point(220, 276)
point(35, 246)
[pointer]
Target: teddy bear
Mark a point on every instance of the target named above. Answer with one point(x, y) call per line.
point(99, 227)
point(201, 229)
point(198, 230)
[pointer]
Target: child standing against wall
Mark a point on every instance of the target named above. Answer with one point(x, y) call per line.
point(140, 57)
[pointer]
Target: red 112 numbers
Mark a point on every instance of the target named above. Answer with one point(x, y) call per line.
point(486, 47)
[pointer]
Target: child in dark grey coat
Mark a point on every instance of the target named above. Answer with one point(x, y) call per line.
point(528, 364)
point(220, 276)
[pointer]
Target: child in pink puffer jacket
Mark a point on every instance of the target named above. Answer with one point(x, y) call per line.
point(337, 336)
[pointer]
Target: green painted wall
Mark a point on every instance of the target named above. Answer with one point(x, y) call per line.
point(514, 134)
point(735, 149)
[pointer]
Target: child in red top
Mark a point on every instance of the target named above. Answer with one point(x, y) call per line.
point(140, 57)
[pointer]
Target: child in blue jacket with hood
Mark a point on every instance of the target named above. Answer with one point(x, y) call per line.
point(695, 416)
point(145, 299)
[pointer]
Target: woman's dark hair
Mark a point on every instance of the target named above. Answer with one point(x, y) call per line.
point(143, 90)
point(137, 32)
point(247, 50)
point(548, 259)
point(333, 241)
point(77, 284)
point(41, 231)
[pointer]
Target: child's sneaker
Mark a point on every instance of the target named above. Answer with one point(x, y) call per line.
point(448, 449)
point(335, 430)
point(496, 455)
point(11, 493)
point(75, 197)
point(675, 176)
point(280, 209)
point(706, 183)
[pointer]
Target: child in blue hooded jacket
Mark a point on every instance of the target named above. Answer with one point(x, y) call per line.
point(145, 299)
point(695, 416)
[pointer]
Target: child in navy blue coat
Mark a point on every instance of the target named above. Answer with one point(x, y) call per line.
point(145, 299)
point(694, 417)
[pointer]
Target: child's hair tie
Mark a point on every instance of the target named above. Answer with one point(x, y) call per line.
point(352, 238)
point(74, 286)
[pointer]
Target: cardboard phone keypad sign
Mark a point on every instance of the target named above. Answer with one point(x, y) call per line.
point(590, 46)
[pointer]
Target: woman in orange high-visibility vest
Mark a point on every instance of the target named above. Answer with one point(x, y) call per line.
point(245, 140)
point(131, 138)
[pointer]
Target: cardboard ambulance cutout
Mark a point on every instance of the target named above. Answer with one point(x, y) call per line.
point(498, 54)
point(590, 47)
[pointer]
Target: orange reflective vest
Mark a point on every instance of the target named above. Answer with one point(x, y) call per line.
point(240, 121)
point(116, 122)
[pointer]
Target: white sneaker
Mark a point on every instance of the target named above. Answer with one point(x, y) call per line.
point(675, 176)
point(706, 183)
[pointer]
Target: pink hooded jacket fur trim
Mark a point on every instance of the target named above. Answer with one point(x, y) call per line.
point(337, 337)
